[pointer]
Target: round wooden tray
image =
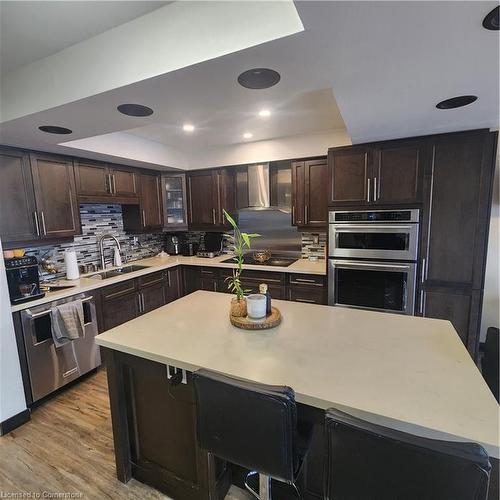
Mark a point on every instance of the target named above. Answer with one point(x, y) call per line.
point(270, 321)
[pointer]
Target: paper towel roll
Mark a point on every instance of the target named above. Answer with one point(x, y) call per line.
point(72, 272)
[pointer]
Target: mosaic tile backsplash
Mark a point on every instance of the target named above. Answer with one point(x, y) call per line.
point(100, 219)
point(97, 220)
point(314, 245)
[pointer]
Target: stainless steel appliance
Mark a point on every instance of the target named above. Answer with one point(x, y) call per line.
point(49, 367)
point(211, 245)
point(382, 234)
point(372, 259)
point(23, 279)
point(172, 244)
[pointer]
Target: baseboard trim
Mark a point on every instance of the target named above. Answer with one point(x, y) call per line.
point(14, 422)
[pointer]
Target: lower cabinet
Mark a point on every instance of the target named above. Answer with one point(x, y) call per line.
point(308, 288)
point(127, 300)
point(119, 304)
point(154, 430)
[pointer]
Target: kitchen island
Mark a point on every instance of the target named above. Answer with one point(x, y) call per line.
point(408, 373)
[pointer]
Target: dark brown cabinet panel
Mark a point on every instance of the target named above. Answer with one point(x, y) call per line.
point(307, 288)
point(349, 175)
point(209, 192)
point(173, 284)
point(298, 193)
point(123, 181)
point(202, 196)
point(455, 228)
point(150, 201)
point(154, 431)
point(100, 183)
point(152, 297)
point(397, 173)
point(17, 205)
point(148, 215)
point(119, 310)
point(92, 179)
point(55, 195)
point(310, 193)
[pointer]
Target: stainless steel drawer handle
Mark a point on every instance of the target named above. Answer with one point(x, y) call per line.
point(308, 301)
point(304, 280)
point(368, 191)
point(70, 372)
point(48, 311)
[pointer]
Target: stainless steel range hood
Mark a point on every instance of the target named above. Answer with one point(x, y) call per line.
point(264, 186)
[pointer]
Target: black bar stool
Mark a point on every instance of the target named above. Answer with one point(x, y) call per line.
point(365, 460)
point(252, 425)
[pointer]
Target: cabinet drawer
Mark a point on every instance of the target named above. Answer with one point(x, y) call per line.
point(114, 291)
point(150, 279)
point(209, 272)
point(307, 280)
point(257, 276)
point(307, 294)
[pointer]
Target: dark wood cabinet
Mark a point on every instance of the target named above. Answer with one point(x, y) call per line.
point(349, 174)
point(307, 288)
point(18, 215)
point(148, 215)
point(55, 196)
point(92, 179)
point(455, 230)
point(152, 296)
point(310, 193)
point(173, 284)
point(173, 190)
point(209, 192)
point(397, 172)
point(154, 431)
point(103, 183)
point(385, 173)
point(119, 303)
point(150, 201)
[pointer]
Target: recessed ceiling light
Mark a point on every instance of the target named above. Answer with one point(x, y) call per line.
point(187, 127)
point(134, 110)
point(247, 135)
point(259, 78)
point(456, 102)
point(492, 19)
point(52, 129)
point(264, 113)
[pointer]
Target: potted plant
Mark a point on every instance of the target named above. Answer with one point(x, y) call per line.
point(240, 242)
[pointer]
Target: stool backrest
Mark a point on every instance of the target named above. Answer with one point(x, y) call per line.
point(369, 461)
point(252, 425)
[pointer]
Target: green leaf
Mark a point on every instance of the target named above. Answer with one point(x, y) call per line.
point(246, 239)
point(254, 235)
point(230, 219)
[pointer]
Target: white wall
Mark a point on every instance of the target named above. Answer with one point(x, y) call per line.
point(491, 304)
point(12, 399)
point(283, 148)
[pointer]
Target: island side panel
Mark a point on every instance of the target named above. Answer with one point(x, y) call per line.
point(154, 431)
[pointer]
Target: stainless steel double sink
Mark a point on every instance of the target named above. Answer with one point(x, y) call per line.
point(116, 272)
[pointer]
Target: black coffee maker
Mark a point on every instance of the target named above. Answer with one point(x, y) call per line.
point(172, 244)
point(23, 279)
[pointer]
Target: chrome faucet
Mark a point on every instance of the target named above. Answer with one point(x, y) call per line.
point(101, 248)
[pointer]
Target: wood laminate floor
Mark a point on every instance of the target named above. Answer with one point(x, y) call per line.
point(67, 447)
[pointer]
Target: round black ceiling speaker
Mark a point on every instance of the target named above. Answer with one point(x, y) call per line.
point(52, 129)
point(491, 21)
point(134, 110)
point(456, 102)
point(259, 78)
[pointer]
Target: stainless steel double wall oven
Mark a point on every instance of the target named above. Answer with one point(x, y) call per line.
point(373, 259)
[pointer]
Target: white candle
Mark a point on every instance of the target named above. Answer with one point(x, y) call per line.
point(256, 306)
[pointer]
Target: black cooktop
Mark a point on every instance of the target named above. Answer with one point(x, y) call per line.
point(275, 261)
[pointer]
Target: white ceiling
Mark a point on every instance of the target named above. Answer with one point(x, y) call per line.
point(31, 30)
point(375, 68)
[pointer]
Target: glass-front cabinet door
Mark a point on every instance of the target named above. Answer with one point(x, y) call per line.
point(174, 201)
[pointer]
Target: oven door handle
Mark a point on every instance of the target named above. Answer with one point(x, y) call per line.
point(372, 227)
point(47, 311)
point(365, 265)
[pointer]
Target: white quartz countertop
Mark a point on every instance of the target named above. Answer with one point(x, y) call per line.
point(86, 284)
point(409, 373)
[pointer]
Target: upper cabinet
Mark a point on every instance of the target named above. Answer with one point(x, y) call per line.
point(17, 200)
point(310, 193)
point(148, 215)
point(57, 211)
point(388, 173)
point(174, 201)
point(209, 192)
point(107, 184)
